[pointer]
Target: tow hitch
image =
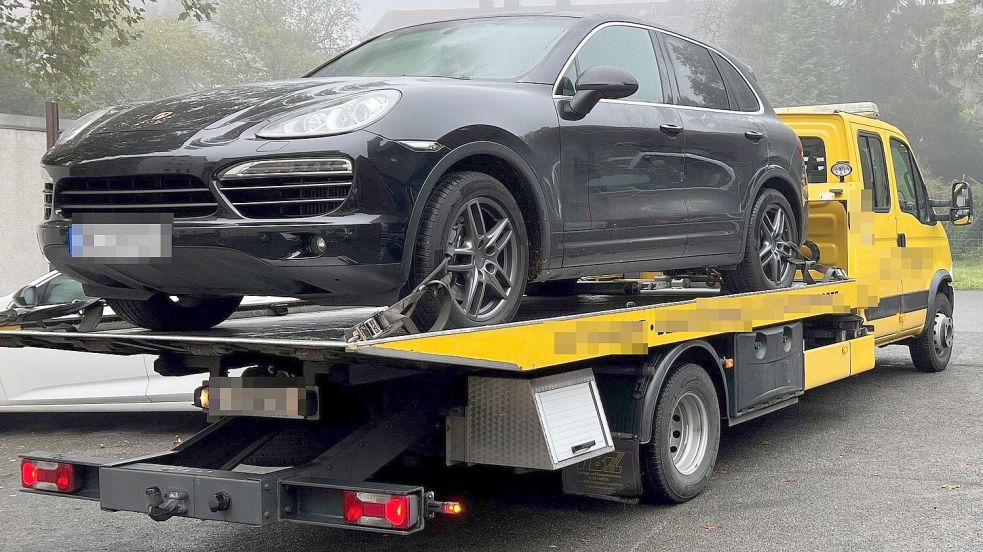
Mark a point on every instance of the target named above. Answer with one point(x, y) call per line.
point(163, 508)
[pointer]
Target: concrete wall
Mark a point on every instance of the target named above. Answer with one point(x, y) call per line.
point(22, 143)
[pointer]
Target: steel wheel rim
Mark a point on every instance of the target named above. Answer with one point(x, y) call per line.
point(942, 333)
point(688, 433)
point(483, 263)
point(775, 247)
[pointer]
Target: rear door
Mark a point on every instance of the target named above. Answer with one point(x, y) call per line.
point(724, 144)
point(885, 259)
point(626, 156)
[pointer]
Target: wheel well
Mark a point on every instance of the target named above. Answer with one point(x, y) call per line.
point(945, 288)
point(521, 189)
point(786, 189)
point(704, 359)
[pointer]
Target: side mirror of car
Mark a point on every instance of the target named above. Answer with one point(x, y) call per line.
point(601, 82)
point(26, 297)
point(961, 212)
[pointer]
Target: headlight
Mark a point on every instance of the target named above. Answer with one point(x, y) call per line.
point(81, 124)
point(337, 117)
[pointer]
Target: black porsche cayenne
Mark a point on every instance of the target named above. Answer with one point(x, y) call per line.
point(520, 149)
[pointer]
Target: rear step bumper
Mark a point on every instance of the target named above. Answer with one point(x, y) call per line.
point(288, 494)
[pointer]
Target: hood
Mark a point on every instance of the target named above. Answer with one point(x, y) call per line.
point(247, 103)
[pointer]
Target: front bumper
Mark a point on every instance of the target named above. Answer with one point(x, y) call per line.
point(361, 265)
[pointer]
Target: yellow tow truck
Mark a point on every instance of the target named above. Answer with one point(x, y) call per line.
point(627, 399)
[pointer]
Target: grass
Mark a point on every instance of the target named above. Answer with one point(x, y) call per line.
point(968, 273)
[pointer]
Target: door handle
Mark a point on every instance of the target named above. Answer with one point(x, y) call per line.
point(671, 130)
point(902, 240)
point(754, 135)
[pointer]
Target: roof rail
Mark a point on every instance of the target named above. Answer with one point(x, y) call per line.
point(864, 109)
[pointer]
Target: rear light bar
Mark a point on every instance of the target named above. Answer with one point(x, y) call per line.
point(48, 476)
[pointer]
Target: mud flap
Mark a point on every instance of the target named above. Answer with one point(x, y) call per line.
point(612, 476)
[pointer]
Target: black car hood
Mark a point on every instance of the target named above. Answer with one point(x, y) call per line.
point(247, 103)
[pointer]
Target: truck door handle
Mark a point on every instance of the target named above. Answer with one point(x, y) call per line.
point(671, 130)
point(902, 240)
point(754, 135)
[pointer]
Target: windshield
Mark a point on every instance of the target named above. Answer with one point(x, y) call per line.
point(486, 48)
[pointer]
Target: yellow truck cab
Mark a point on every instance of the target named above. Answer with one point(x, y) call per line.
point(862, 173)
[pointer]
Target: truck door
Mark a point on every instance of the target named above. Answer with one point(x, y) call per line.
point(884, 260)
point(922, 241)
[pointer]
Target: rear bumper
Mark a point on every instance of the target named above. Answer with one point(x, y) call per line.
point(360, 267)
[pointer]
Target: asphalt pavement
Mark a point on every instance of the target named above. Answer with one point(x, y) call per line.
point(889, 460)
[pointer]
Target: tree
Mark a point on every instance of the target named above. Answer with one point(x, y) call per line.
point(277, 39)
point(52, 42)
point(167, 58)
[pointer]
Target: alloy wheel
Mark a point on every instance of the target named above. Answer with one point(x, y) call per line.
point(483, 251)
point(775, 244)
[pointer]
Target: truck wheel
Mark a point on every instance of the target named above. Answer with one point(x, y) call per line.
point(162, 313)
point(474, 219)
point(771, 242)
point(679, 459)
point(931, 350)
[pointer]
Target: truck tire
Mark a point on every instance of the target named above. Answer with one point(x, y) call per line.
point(678, 461)
point(772, 239)
point(472, 217)
point(931, 350)
point(162, 313)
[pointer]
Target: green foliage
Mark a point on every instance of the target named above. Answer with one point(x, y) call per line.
point(276, 39)
point(52, 42)
point(147, 56)
point(918, 60)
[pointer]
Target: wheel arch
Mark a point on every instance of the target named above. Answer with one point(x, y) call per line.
point(506, 165)
point(778, 179)
point(941, 283)
point(698, 352)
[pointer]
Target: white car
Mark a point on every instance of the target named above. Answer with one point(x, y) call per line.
point(52, 380)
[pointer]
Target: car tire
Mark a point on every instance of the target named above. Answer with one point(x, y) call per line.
point(756, 271)
point(679, 459)
point(162, 313)
point(472, 217)
point(932, 349)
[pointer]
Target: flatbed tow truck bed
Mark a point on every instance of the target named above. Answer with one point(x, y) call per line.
point(575, 389)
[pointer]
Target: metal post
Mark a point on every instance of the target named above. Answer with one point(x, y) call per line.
point(51, 122)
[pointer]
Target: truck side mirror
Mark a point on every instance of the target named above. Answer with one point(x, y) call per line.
point(26, 296)
point(601, 82)
point(961, 212)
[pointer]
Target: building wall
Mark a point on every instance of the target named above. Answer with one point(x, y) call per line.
point(22, 143)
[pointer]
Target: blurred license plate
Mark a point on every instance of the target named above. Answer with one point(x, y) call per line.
point(262, 397)
point(120, 237)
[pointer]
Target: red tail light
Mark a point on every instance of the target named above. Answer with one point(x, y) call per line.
point(48, 476)
point(379, 510)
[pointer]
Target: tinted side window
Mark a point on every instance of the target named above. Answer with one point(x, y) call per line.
point(631, 49)
point(746, 100)
point(873, 165)
point(911, 189)
point(814, 153)
point(699, 81)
